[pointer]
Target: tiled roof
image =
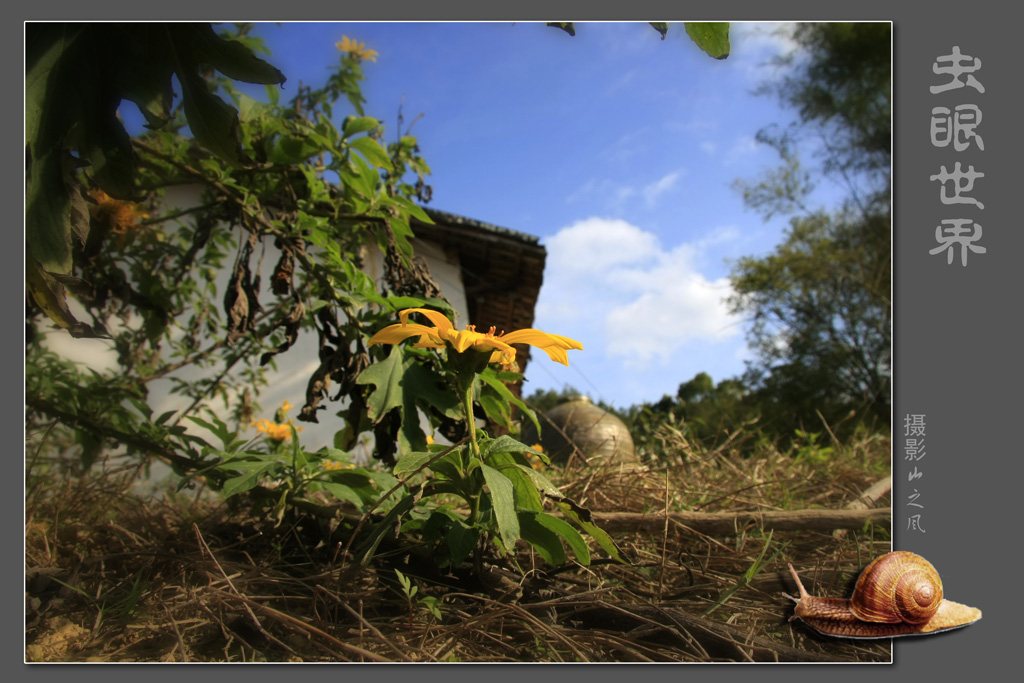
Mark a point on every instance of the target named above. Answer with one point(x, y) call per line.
point(502, 270)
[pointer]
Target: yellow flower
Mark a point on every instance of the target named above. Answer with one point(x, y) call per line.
point(444, 333)
point(335, 465)
point(355, 49)
point(120, 217)
point(277, 431)
point(535, 460)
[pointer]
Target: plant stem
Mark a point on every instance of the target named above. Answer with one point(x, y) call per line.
point(467, 406)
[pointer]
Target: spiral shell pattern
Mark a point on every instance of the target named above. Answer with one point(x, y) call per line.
point(897, 587)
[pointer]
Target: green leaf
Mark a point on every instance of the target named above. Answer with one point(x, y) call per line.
point(547, 542)
point(355, 480)
point(373, 152)
point(387, 376)
point(214, 122)
point(402, 233)
point(363, 180)
point(48, 216)
point(342, 492)
point(273, 94)
point(230, 57)
point(354, 125)
point(495, 382)
point(217, 428)
point(412, 208)
point(243, 483)
point(108, 147)
point(661, 27)
point(541, 482)
point(291, 149)
point(710, 36)
point(402, 382)
point(407, 464)
point(368, 547)
point(496, 409)
point(748, 576)
point(526, 495)
point(461, 541)
point(503, 503)
point(581, 516)
point(450, 466)
point(503, 444)
point(568, 533)
point(51, 109)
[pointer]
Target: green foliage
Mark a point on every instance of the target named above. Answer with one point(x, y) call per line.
point(404, 385)
point(77, 74)
point(710, 36)
point(430, 603)
point(706, 415)
point(820, 304)
point(504, 496)
point(807, 448)
point(147, 273)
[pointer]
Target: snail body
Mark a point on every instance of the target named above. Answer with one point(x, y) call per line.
point(899, 594)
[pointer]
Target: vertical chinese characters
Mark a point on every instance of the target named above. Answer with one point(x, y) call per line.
point(913, 452)
point(957, 126)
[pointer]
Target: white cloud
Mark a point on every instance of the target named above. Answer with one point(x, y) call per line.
point(616, 288)
point(597, 244)
point(652, 191)
point(755, 47)
point(743, 147)
point(614, 195)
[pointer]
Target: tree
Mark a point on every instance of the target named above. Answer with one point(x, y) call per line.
point(820, 303)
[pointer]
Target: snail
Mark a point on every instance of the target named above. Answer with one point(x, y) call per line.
point(898, 594)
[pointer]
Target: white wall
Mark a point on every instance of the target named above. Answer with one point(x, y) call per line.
point(288, 382)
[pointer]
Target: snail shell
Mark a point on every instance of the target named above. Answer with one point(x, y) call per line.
point(899, 594)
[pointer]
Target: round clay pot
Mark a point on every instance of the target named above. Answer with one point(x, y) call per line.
point(599, 437)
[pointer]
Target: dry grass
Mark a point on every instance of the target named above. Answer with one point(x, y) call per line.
point(111, 577)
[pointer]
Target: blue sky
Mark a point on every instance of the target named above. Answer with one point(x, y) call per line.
point(618, 149)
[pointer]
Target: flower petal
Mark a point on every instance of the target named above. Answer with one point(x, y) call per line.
point(393, 334)
point(438, 319)
point(554, 345)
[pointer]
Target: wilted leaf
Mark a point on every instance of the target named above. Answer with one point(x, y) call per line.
point(50, 296)
point(567, 26)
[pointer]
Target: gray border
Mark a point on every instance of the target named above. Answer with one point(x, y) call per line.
point(953, 338)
